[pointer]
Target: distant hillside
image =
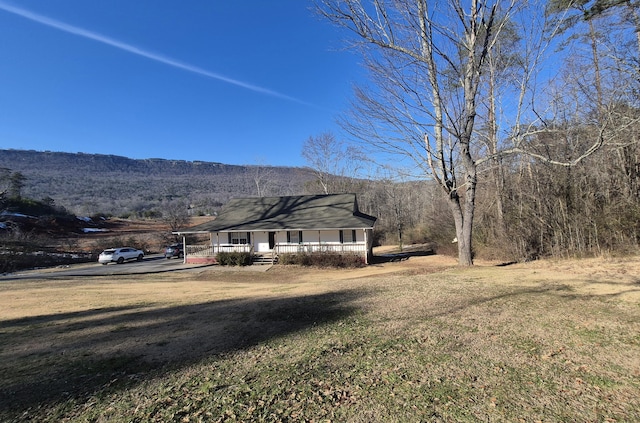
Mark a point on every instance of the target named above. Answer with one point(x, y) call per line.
point(87, 184)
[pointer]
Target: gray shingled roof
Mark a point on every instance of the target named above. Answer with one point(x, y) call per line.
point(306, 212)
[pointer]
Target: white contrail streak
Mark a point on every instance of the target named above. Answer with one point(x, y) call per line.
point(138, 51)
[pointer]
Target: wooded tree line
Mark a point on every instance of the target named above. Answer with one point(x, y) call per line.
point(528, 209)
point(523, 113)
point(583, 200)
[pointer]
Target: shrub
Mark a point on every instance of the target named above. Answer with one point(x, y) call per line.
point(322, 260)
point(234, 259)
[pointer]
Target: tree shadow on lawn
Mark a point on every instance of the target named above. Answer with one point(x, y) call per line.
point(56, 357)
point(399, 256)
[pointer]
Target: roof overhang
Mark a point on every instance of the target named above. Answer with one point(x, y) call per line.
point(268, 230)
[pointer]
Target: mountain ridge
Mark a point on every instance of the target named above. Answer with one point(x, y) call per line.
point(116, 185)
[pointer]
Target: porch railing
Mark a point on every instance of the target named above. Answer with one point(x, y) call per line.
point(212, 250)
point(232, 248)
point(199, 251)
point(355, 248)
point(208, 250)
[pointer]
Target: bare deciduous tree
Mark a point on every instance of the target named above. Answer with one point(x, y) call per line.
point(262, 177)
point(430, 64)
point(332, 161)
point(176, 214)
point(425, 59)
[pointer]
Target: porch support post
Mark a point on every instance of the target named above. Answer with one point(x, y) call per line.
point(366, 247)
point(184, 249)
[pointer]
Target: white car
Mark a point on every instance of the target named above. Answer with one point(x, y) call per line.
point(119, 255)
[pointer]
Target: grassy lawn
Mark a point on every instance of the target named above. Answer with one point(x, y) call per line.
point(421, 340)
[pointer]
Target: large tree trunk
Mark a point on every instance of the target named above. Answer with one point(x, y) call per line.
point(463, 233)
point(466, 254)
point(463, 211)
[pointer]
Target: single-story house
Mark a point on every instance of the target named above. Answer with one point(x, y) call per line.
point(269, 226)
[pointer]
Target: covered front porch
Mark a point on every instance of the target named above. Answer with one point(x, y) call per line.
point(271, 244)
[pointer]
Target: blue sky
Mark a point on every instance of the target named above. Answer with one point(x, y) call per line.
point(237, 82)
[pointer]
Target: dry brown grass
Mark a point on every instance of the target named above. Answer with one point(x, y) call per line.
point(415, 340)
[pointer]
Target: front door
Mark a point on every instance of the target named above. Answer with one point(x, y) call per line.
point(272, 240)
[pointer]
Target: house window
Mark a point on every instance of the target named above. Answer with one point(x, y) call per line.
point(347, 237)
point(239, 238)
point(294, 237)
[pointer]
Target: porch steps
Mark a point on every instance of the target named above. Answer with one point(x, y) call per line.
point(264, 259)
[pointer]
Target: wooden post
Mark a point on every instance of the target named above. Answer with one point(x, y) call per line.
point(184, 249)
point(366, 247)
